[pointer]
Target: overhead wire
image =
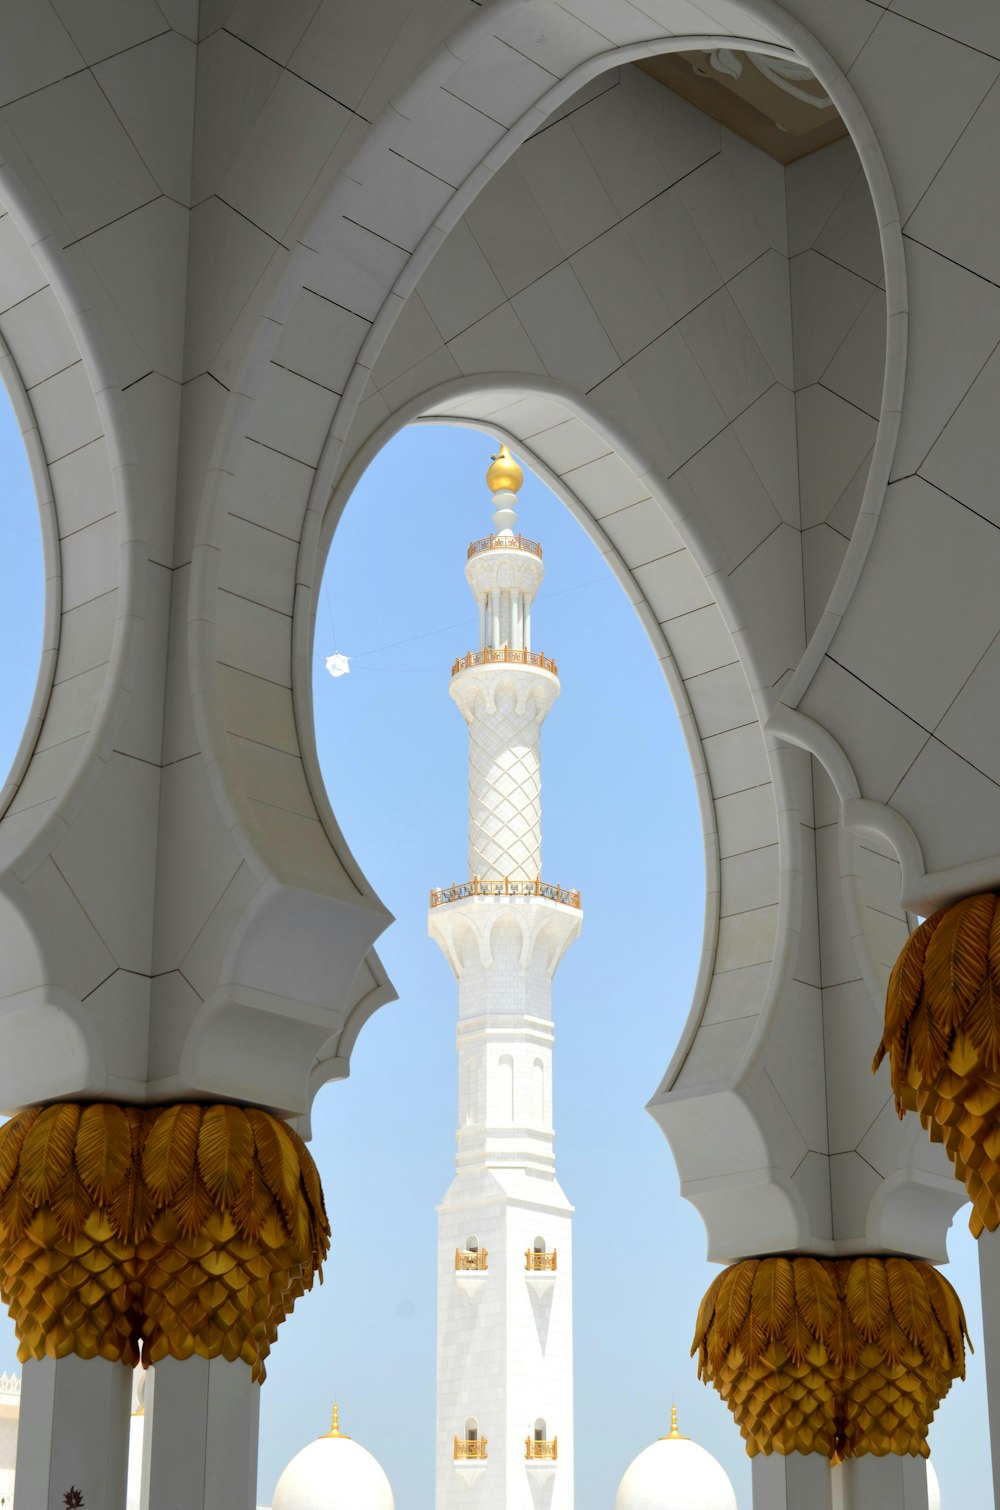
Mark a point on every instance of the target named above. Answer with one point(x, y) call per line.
point(446, 628)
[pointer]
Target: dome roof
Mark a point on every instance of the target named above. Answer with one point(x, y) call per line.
point(933, 1488)
point(333, 1473)
point(675, 1474)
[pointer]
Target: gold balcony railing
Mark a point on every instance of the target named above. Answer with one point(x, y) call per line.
point(535, 1450)
point(503, 655)
point(467, 1450)
point(539, 1263)
point(471, 1258)
point(505, 543)
point(458, 891)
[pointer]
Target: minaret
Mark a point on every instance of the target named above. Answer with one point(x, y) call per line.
point(505, 1327)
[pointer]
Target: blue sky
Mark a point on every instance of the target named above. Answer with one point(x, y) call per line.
point(620, 821)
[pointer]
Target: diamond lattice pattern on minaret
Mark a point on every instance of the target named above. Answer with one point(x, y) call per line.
point(505, 789)
point(505, 1260)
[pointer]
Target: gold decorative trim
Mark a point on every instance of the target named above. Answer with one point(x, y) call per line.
point(470, 1449)
point(942, 1038)
point(837, 1356)
point(503, 655)
point(506, 886)
point(175, 1231)
point(504, 543)
point(476, 1259)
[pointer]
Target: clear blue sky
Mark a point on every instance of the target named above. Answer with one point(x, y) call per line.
point(620, 821)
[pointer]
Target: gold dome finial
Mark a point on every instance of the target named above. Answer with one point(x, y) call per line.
point(335, 1430)
point(673, 1435)
point(504, 476)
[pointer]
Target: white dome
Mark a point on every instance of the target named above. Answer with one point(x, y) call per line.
point(674, 1474)
point(933, 1488)
point(334, 1473)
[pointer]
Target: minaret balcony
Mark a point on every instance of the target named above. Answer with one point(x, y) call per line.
point(470, 1457)
point(538, 1450)
point(505, 543)
point(503, 655)
point(540, 1270)
point(471, 1269)
point(508, 887)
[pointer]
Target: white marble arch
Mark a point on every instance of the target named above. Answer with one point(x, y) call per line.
point(273, 312)
point(347, 261)
point(200, 951)
point(79, 736)
point(730, 1101)
point(334, 245)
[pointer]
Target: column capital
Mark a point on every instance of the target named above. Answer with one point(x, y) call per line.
point(193, 1228)
point(839, 1357)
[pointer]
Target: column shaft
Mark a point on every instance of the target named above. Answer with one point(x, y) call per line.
point(73, 1432)
point(871, 1483)
point(798, 1481)
point(200, 1450)
point(989, 1285)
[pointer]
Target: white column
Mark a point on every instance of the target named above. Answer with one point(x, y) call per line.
point(527, 625)
point(73, 1432)
point(871, 1483)
point(482, 623)
point(516, 611)
point(800, 1481)
point(200, 1443)
point(989, 1285)
point(495, 605)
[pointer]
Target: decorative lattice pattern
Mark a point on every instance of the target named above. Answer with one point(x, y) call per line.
point(505, 789)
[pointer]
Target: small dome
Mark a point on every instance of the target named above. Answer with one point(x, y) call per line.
point(504, 476)
point(675, 1474)
point(933, 1488)
point(334, 1473)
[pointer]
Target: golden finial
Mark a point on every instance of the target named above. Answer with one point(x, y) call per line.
point(504, 476)
point(335, 1430)
point(673, 1435)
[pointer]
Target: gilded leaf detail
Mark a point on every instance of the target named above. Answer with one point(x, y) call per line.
point(170, 1150)
point(866, 1350)
point(93, 1262)
point(47, 1150)
point(103, 1149)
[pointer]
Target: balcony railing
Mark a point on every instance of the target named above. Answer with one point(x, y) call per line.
point(505, 543)
point(535, 1450)
point(503, 655)
point(539, 1263)
point(458, 891)
point(471, 1258)
point(470, 1450)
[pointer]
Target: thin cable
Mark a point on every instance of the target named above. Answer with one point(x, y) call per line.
point(445, 628)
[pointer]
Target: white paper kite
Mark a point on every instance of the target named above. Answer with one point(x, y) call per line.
point(338, 665)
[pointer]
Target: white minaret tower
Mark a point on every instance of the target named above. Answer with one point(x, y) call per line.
point(505, 1316)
